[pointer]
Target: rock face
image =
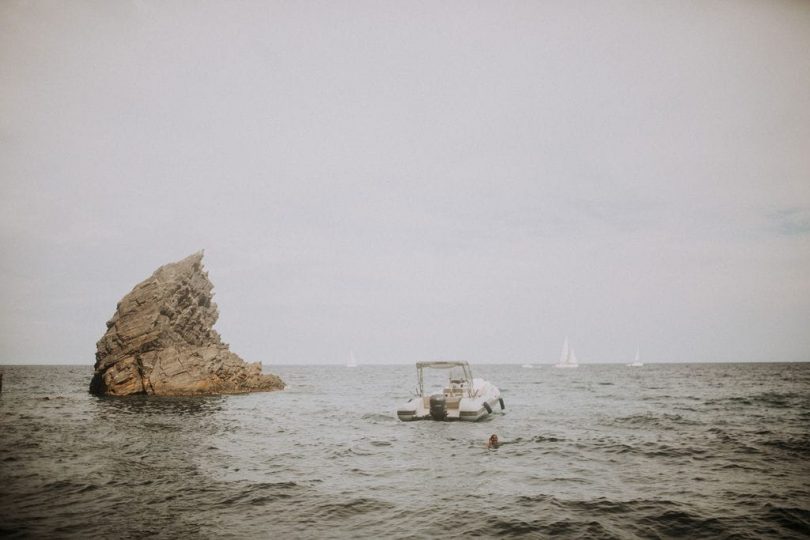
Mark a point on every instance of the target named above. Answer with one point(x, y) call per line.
point(161, 341)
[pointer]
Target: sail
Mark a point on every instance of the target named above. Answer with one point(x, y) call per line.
point(351, 362)
point(565, 352)
point(568, 359)
point(637, 360)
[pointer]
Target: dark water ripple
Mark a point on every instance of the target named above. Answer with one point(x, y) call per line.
point(691, 451)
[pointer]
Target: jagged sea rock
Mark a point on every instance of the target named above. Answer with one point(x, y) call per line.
point(161, 341)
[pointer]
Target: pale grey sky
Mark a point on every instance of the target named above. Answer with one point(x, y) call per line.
point(413, 180)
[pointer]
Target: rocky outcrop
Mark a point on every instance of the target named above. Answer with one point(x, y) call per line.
point(161, 341)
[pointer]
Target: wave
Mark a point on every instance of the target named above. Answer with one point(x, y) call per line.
point(653, 420)
point(769, 399)
point(377, 418)
point(574, 528)
point(681, 523)
point(797, 446)
point(791, 518)
point(342, 510)
point(69, 487)
point(544, 439)
point(645, 518)
point(603, 517)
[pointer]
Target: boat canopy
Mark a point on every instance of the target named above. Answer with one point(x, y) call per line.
point(460, 377)
point(440, 365)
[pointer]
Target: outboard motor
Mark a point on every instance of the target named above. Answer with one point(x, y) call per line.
point(438, 407)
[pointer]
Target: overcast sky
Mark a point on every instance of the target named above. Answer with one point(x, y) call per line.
point(413, 180)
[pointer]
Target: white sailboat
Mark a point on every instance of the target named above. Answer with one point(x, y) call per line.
point(637, 361)
point(351, 362)
point(567, 358)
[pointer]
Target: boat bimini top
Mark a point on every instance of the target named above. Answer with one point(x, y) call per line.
point(461, 379)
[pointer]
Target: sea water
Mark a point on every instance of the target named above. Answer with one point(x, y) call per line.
point(680, 450)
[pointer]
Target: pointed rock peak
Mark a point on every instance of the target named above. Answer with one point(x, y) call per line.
point(190, 265)
point(161, 341)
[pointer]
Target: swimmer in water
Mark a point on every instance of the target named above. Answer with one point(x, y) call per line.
point(493, 441)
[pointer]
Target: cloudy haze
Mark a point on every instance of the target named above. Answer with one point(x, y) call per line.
point(413, 180)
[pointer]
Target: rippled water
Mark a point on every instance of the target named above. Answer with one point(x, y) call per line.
point(602, 451)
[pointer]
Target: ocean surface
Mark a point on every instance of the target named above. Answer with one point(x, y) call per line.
point(692, 451)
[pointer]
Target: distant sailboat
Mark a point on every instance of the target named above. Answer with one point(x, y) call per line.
point(637, 362)
point(567, 358)
point(352, 362)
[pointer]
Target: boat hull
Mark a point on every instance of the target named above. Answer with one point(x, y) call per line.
point(468, 410)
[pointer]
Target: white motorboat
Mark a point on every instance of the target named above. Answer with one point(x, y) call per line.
point(464, 398)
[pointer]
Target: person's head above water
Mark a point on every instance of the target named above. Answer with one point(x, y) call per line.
point(493, 441)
